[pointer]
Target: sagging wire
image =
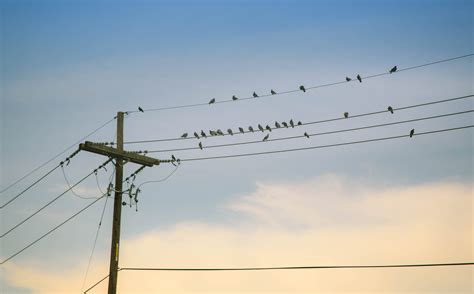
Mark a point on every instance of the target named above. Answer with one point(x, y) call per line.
point(69, 184)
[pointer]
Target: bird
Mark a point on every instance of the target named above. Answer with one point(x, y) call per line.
point(173, 158)
point(390, 109)
point(230, 132)
point(203, 134)
point(346, 114)
point(251, 129)
point(213, 133)
point(234, 98)
point(393, 69)
point(277, 125)
point(299, 123)
point(302, 88)
point(184, 135)
point(255, 95)
point(200, 145)
point(348, 79)
point(140, 109)
point(213, 100)
point(412, 132)
point(359, 78)
point(220, 132)
point(284, 124)
point(268, 128)
point(292, 124)
point(273, 92)
point(266, 137)
point(306, 135)
point(241, 130)
point(196, 135)
point(260, 127)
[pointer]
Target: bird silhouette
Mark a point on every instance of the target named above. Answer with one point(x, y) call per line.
point(203, 134)
point(306, 135)
point(184, 135)
point(220, 132)
point(273, 92)
point(255, 95)
point(173, 158)
point(346, 114)
point(234, 98)
point(200, 145)
point(213, 133)
point(230, 132)
point(213, 100)
point(299, 123)
point(251, 129)
point(284, 124)
point(260, 127)
point(393, 69)
point(302, 88)
point(268, 128)
point(241, 130)
point(196, 135)
point(266, 137)
point(348, 79)
point(277, 125)
point(292, 124)
point(140, 109)
point(359, 78)
point(390, 109)
point(412, 132)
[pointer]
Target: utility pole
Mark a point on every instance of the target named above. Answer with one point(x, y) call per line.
point(121, 158)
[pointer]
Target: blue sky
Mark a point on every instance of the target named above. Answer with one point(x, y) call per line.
point(69, 66)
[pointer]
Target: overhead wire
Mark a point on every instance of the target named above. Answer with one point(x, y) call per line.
point(315, 134)
point(324, 120)
point(307, 88)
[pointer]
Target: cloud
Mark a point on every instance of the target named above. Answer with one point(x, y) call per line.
point(321, 221)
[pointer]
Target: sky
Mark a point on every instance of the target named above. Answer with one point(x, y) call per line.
point(67, 67)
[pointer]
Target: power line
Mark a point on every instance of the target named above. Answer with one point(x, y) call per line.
point(307, 88)
point(418, 265)
point(55, 156)
point(324, 120)
point(324, 146)
point(52, 201)
point(39, 180)
point(315, 134)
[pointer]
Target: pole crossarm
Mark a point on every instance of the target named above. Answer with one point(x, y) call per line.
point(119, 154)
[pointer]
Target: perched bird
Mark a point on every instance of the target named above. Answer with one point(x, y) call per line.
point(302, 88)
point(230, 132)
point(393, 69)
point(412, 132)
point(251, 129)
point(200, 145)
point(273, 92)
point(277, 125)
point(260, 127)
point(241, 130)
point(348, 79)
point(213, 133)
point(219, 132)
point(196, 135)
point(140, 109)
point(255, 95)
point(203, 134)
point(268, 128)
point(284, 124)
point(390, 109)
point(213, 100)
point(184, 135)
point(234, 98)
point(266, 137)
point(359, 78)
point(173, 158)
point(299, 123)
point(346, 114)
point(292, 124)
point(306, 135)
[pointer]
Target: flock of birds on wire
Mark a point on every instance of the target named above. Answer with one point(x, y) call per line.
point(291, 123)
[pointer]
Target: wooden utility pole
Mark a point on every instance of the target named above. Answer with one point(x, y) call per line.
point(121, 158)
